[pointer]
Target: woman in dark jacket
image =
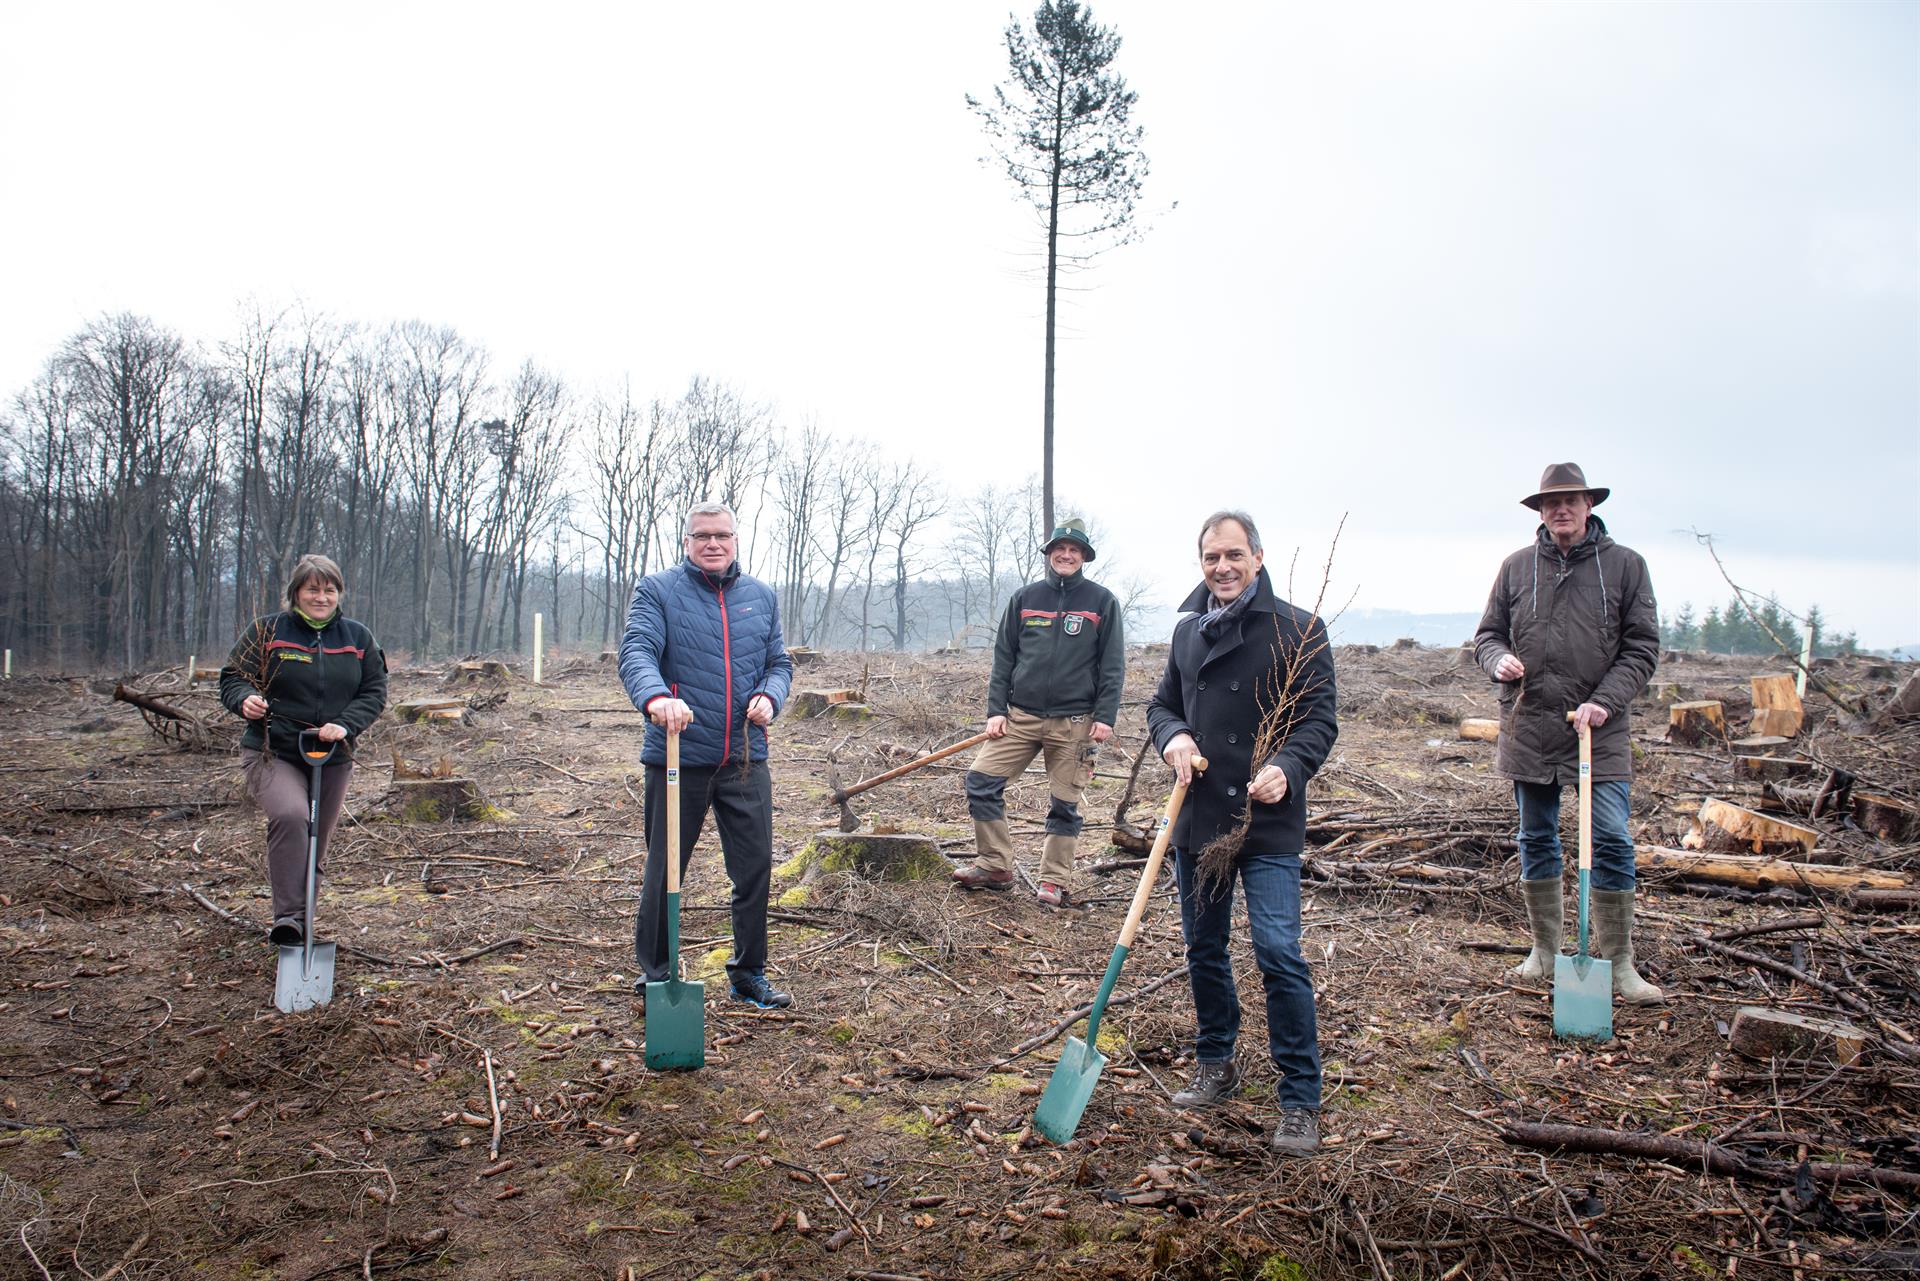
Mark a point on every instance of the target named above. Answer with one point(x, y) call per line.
point(304, 668)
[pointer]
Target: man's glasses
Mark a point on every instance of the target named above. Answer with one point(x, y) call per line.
point(710, 538)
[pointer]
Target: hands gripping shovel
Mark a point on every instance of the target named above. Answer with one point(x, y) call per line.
point(676, 1010)
point(305, 975)
point(1583, 984)
point(1080, 1063)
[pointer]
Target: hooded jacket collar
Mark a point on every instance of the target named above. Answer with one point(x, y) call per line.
point(1596, 538)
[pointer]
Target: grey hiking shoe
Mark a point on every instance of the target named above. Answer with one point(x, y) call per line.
point(1212, 1083)
point(1297, 1133)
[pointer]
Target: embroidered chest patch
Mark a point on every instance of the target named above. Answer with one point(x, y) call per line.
point(1073, 625)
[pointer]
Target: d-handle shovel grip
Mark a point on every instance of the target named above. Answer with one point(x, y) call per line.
point(1150, 874)
point(313, 755)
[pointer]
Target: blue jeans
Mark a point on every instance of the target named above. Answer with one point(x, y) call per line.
point(1272, 883)
point(1540, 834)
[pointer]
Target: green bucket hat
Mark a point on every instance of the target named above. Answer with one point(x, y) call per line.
point(1071, 530)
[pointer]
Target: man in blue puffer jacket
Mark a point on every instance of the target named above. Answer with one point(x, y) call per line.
point(703, 655)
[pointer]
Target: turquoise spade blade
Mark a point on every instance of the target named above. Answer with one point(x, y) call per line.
point(1583, 988)
point(1078, 1070)
point(676, 1010)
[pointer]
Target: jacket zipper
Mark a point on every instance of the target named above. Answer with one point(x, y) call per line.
point(726, 659)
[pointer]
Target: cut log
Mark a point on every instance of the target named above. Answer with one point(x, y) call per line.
point(874, 856)
point(1764, 1034)
point(1776, 706)
point(1884, 900)
point(803, 703)
point(436, 800)
point(431, 709)
point(1756, 872)
point(1770, 767)
point(1728, 827)
point(1480, 729)
point(1886, 818)
point(1699, 724)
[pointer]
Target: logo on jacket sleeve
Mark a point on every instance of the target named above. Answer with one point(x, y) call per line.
point(1073, 625)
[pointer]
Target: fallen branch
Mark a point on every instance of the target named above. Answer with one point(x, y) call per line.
point(493, 1100)
point(1709, 1157)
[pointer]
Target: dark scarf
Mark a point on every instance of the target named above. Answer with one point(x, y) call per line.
point(1216, 620)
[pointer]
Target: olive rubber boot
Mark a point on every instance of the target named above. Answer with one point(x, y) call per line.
point(1546, 915)
point(1613, 940)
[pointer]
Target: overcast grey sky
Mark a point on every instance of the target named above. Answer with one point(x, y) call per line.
point(1420, 249)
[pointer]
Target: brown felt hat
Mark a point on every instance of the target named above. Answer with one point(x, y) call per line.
point(1564, 478)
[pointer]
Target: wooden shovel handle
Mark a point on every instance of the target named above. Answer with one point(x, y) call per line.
point(865, 783)
point(673, 812)
point(1586, 801)
point(1150, 874)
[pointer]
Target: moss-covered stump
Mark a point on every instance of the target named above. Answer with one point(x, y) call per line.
point(436, 800)
point(875, 856)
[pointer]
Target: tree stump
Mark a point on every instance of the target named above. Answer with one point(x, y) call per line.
point(1668, 692)
point(1759, 744)
point(436, 800)
point(875, 856)
point(1480, 729)
point(850, 712)
point(803, 703)
point(1776, 707)
point(1904, 704)
point(1886, 818)
point(1770, 767)
point(1700, 724)
point(471, 671)
point(432, 709)
point(802, 655)
point(1729, 827)
point(1764, 1034)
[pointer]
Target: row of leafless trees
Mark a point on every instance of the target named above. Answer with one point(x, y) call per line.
point(154, 493)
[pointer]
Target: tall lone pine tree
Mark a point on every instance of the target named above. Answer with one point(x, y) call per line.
point(1061, 125)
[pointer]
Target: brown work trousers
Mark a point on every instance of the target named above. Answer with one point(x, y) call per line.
point(1069, 749)
point(280, 788)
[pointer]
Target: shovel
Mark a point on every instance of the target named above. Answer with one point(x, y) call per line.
point(841, 795)
point(1080, 1063)
point(305, 976)
point(1583, 984)
point(676, 1009)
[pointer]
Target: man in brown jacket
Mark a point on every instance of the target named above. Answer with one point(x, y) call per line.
point(1571, 626)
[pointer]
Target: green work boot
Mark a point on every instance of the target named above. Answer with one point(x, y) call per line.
point(1613, 940)
point(1545, 916)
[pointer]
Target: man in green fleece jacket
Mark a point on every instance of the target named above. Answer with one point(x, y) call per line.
point(1058, 665)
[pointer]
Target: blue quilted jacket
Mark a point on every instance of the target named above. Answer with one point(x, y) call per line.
point(718, 640)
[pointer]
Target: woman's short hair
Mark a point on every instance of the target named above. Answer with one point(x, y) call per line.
point(309, 567)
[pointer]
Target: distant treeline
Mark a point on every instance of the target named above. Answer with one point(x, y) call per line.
point(1737, 630)
point(155, 491)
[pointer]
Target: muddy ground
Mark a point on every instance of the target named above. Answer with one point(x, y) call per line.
point(161, 1119)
